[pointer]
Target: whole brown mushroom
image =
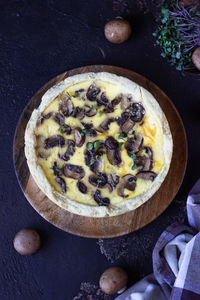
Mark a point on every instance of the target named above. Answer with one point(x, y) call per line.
point(117, 31)
point(196, 58)
point(113, 280)
point(26, 241)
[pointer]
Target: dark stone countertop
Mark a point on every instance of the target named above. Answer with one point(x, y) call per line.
point(40, 39)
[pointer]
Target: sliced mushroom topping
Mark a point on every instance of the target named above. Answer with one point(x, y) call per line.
point(73, 171)
point(127, 182)
point(56, 170)
point(69, 151)
point(127, 126)
point(111, 106)
point(134, 144)
point(79, 92)
point(112, 151)
point(145, 161)
point(111, 182)
point(45, 117)
point(87, 125)
point(126, 101)
point(92, 92)
point(91, 111)
point(137, 112)
point(66, 107)
point(79, 137)
point(111, 143)
point(82, 187)
point(92, 132)
point(101, 201)
point(99, 180)
point(62, 183)
point(103, 100)
point(43, 155)
point(147, 175)
point(91, 161)
point(124, 117)
point(60, 119)
point(81, 114)
point(104, 126)
point(53, 141)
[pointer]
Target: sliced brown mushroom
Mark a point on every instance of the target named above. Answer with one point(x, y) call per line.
point(99, 200)
point(137, 112)
point(147, 175)
point(56, 170)
point(66, 107)
point(111, 182)
point(73, 171)
point(92, 92)
point(45, 117)
point(112, 148)
point(127, 126)
point(79, 92)
point(99, 180)
point(60, 119)
point(81, 114)
point(124, 117)
point(82, 187)
point(79, 137)
point(92, 132)
point(69, 151)
point(127, 182)
point(62, 183)
point(146, 161)
point(111, 106)
point(104, 126)
point(103, 100)
point(126, 102)
point(134, 144)
point(91, 161)
point(91, 111)
point(53, 141)
point(44, 154)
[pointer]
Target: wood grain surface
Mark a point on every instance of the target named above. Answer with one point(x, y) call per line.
point(109, 226)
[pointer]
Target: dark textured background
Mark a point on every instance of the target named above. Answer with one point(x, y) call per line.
point(38, 40)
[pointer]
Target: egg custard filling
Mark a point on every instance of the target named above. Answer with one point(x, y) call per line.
point(100, 145)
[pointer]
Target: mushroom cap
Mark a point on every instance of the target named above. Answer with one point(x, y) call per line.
point(196, 58)
point(26, 241)
point(113, 280)
point(117, 31)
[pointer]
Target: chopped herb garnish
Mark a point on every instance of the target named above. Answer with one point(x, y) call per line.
point(120, 144)
point(96, 144)
point(83, 131)
point(99, 180)
point(79, 109)
point(100, 113)
point(134, 167)
point(68, 93)
point(92, 106)
point(100, 153)
point(133, 156)
point(121, 136)
point(97, 156)
point(61, 131)
point(90, 146)
point(66, 126)
point(92, 161)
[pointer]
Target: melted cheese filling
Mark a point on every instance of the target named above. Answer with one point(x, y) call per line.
point(150, 129)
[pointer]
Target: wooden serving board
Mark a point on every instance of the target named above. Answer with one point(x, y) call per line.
point(109, 226)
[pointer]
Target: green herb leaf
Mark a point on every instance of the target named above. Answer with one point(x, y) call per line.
point(96, 144)
point(99, 180)
point(121, 136)
point(90, 146)
point(120, 144)
point(92, 161)
point(66, 126)
point(134, 167)
point(133, 156)
point(61, 131)
point(83, 131)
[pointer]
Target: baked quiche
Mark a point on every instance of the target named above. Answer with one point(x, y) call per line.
point(98, 144)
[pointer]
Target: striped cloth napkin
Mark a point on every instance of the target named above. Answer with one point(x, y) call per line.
point(176, 260)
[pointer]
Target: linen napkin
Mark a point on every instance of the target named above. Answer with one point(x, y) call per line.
point(176, 260)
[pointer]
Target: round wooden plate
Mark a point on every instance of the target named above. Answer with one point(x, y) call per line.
point(109, 226)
